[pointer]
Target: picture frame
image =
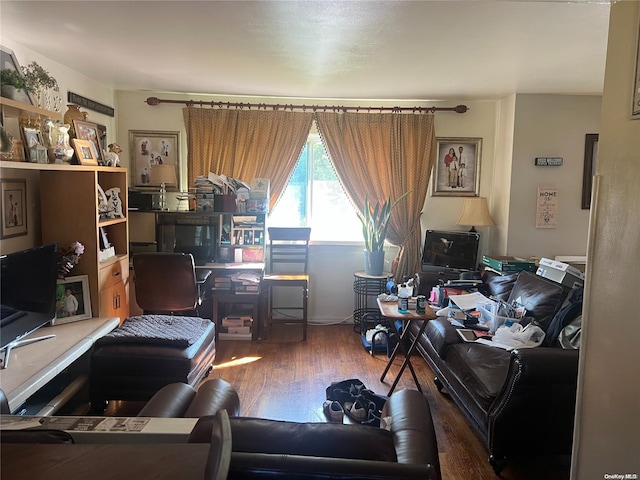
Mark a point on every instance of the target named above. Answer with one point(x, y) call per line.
point(590, 159)
point(449, 178)
point(85, 152)
point(148, 148)
point(13, 205)
point(9, 60)
point(90, 132)
point(34, 149)
point(76, 287)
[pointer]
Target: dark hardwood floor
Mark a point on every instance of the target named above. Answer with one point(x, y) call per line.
point(284, 378)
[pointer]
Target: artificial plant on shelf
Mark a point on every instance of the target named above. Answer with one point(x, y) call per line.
point(375, 221)
point(69, 259)
point(40, 82)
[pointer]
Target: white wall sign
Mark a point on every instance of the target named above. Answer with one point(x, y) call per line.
point(547, 207)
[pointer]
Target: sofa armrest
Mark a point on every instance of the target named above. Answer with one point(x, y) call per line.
point(263, 465)
point(441, 334)
point(537, 403)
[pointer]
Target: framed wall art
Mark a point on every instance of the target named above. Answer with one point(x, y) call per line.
point(456, 172)
point(590, 158)
point(85, 152)
point(73, 301)
point(89, 131)
point(32, 141)
point(9, 61)
point(13, 205)
point(150, 148)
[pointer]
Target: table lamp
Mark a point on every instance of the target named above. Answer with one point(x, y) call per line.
point(163, 174)
point(475, 212)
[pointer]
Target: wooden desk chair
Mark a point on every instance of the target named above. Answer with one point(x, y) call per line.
point(288, 260)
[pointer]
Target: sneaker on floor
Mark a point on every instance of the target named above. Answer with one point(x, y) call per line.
point(333, 411)
point(356, 411)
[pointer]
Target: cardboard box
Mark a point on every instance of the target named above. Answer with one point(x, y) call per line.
point(560, 272)
point(259, 189)
point(508, 263)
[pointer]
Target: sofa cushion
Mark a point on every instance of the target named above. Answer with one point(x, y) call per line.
point(498, 286)
point(482, 369)
point(258, 435)
point(441, 334)
point(541, 297)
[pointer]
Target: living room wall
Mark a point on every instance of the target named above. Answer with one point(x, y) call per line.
point(516, 127)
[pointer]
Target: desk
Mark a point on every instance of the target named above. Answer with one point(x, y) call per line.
point(32, 366)
point(104, 461)
point(390, 311)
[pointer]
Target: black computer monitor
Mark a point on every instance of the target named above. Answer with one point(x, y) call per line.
point(453, 250)
point(28, 281)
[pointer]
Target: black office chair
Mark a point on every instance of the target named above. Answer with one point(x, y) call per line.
point(288, 260)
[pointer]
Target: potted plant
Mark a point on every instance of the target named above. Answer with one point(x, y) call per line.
point(375, 221)
point(12, 81)
point(39, 81)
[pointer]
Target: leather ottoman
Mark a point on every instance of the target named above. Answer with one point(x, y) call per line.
point(134, 368)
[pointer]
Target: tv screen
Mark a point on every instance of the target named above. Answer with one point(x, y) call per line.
point(27, 291)
point(457, 250)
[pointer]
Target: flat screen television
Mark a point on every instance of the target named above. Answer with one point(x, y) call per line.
point(28, 281)
point(454, 250)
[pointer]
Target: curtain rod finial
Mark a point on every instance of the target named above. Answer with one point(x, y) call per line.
point(461, 109)
point(153, 101)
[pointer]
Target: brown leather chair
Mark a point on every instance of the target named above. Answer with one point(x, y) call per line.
point(167, 283)
point(168, 344)
point(288, 260)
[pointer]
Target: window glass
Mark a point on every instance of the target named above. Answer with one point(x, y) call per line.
point(314, 197)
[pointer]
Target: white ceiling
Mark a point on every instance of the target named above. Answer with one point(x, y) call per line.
point(323, 49)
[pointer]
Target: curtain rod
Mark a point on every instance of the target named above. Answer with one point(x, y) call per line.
point(190, 103)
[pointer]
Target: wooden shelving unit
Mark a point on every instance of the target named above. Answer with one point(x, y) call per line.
point(69, 213)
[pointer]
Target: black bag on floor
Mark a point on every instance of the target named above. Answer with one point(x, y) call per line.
point(347, 392)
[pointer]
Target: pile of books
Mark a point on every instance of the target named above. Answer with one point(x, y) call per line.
point(236, 328)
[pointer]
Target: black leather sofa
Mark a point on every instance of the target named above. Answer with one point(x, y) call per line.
point(521, 402)
point(263, 448)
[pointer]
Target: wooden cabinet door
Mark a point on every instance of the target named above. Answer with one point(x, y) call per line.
point(114, 301)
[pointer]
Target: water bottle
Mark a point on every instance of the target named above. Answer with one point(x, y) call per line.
point(403, 298)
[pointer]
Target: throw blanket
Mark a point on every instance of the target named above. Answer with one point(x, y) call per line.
point(158, 330)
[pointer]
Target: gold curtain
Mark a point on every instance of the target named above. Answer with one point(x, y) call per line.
point(382, 156)
point(246, 144)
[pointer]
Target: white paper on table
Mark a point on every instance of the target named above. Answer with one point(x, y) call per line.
point(468, 301)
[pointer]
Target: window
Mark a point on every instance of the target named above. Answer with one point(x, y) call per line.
point(314, 197)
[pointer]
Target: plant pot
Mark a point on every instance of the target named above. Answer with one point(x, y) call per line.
point(373, 263)
point(9, 91)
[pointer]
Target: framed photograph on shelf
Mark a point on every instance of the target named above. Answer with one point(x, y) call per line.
point(89, 131)
point(85, 152)
point(13, 205)
point(9, 61)
point(32, 141)
point(73, 301)
point(456, 171)
point(590, 158)
point(151, 148)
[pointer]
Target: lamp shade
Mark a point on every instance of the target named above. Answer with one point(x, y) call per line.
point(163, 174)
point(475, 213)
